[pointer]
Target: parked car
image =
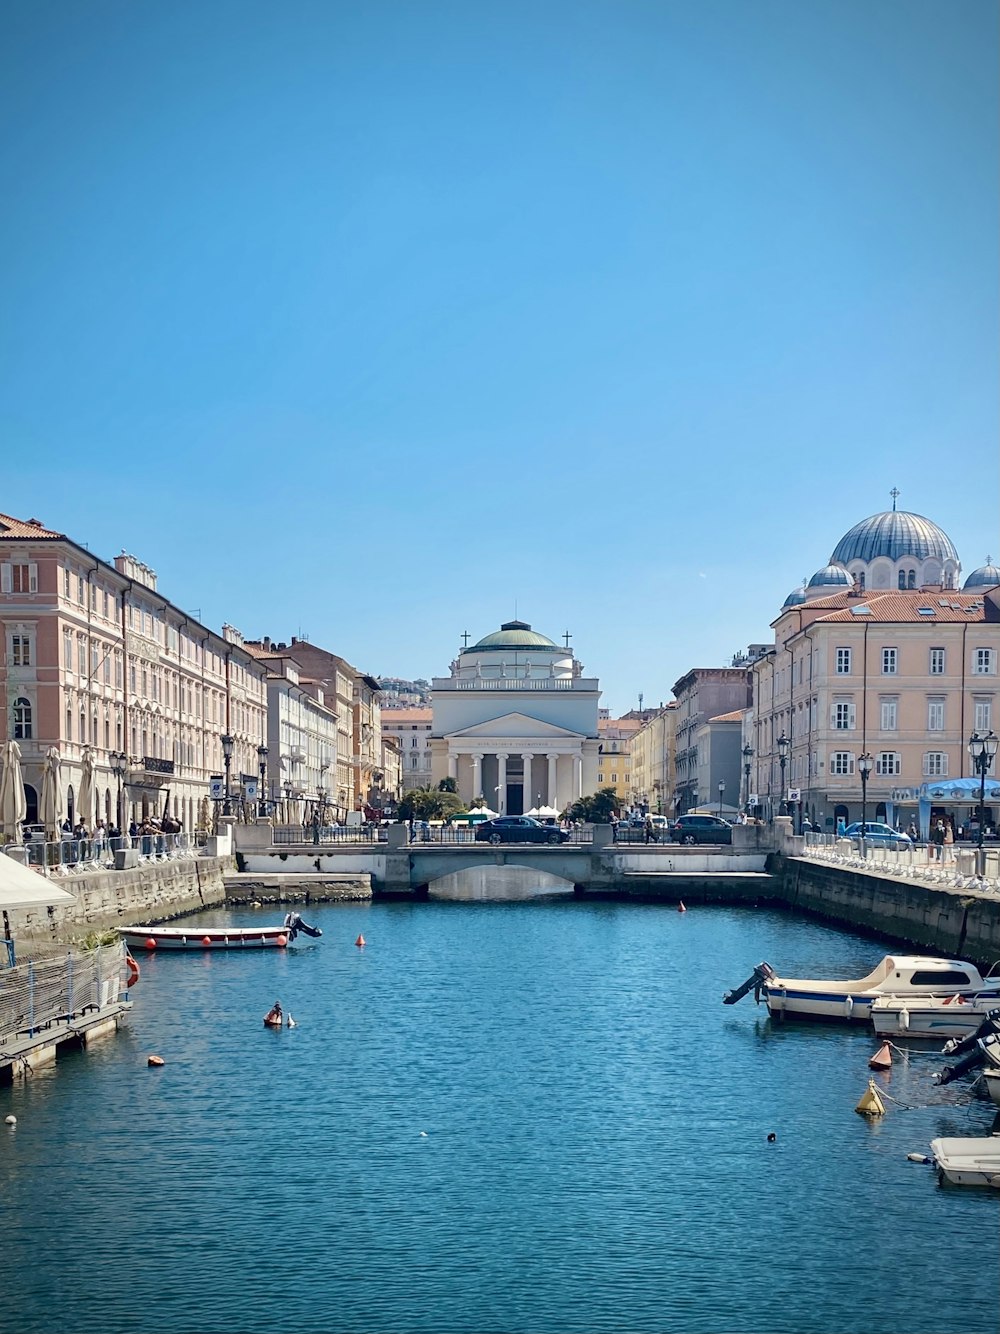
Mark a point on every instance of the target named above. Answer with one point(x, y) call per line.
point(882, 834)
point(701, 829)
point(518, 829)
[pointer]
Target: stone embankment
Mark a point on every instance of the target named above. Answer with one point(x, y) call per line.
point(322, 887)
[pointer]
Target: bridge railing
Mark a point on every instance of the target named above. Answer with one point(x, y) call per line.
point(956, 866)
point(439, 835)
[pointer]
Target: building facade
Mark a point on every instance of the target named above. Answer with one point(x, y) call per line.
point(411, 730)
point(702, 693)
point(515, 723)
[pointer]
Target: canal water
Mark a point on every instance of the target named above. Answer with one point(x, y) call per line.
point(514, 1116)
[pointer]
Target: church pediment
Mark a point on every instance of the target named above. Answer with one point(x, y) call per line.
point(515, 725)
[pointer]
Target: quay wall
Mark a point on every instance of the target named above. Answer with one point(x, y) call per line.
point(934, 918)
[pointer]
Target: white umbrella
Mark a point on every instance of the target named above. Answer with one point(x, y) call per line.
point(50, 803)
point(21, 887)
point(13, 806)
point(483, 810)
point(85, 802)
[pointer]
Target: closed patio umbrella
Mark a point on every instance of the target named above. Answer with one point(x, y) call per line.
point(13, 806)
point(85, 802)
point(50, 802)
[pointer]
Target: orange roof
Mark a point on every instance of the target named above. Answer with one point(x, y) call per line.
point(25, 528)
point(391, 716)
point(735, 716)
point(941, 605)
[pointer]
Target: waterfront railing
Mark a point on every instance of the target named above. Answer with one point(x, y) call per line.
point(70, 856)
point(953, 864)
point(445, 835)
point(37, 994)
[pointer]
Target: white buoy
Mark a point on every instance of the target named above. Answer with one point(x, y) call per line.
point(291, 1022)
point(904, 1019)
point(423, 1134)
point(10, 1120)
point(849, 1006)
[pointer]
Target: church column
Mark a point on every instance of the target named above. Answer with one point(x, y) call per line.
point(553, 793)
point(477, 777)
point(502, 781)
point(453, 766)
point(527, 796)
point(577, 776)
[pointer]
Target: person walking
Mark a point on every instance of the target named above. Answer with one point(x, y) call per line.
point(937, 841)
point(650, 830)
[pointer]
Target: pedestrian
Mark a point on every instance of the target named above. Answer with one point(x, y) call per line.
point(936, 848)
point(650, 830)
point(315, 828)
point(949, 840)
point(614, 827)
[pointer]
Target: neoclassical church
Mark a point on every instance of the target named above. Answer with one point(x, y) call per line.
point(516, 722)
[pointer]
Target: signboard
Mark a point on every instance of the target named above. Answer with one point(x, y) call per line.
point(250, 789)
point(153, 765)
point(217, 787)
point(794, 794)
point(753, 799)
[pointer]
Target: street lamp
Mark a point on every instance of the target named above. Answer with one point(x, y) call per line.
point(227, 759)
point(262, 764)
point(119, 767)
point(722, 788)
point(865, 766)
point(747, 757)
point(982, 751)
point(783, 760)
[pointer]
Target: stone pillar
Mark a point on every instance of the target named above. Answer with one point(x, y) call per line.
point(477, 776)
point(527, 796)
point(577, 777)
point(502, 782)
point(553, 794)
point(453, 766)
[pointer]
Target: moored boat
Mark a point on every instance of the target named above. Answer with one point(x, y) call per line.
point(899, 975)
point(968, 1162)
point(991, 1081)
point(150, 938)
point(930, 1016)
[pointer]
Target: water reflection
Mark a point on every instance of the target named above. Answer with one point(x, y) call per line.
point(500, 884)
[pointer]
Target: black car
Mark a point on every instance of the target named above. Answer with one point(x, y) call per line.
point(701, 829)
point(518, 829)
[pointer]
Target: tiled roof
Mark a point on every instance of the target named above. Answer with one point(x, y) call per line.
point(939, 606)
point(734, 716)
point(392, 716)
point(10, 527)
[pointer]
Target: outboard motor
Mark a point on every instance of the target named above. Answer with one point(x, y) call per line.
point(294, 924)
point(761, 974)
point(986, 1051)
point(958, 1046)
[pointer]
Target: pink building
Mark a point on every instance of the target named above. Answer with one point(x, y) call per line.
point(95, 661)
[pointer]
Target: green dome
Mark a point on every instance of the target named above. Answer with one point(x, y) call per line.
point(515, 635)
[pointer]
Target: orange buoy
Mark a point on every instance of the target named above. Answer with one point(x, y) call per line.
point(132, 971)
point(360, 942)
point(206, 940)
point(882, 1059)
point(150, 943)
point(155, 1061)
point(680, 906)
point(282, 941)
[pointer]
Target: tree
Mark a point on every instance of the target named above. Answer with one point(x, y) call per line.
point(448, 785)
point(596, 809)
point(429, 803)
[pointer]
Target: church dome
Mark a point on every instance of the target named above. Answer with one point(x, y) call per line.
point(987, 576)
point(795, 598)
point(894, 534)
point(831, 576)
point(515, 635)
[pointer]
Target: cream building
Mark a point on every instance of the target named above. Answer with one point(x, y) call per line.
point(411, 730)
point(879, 654)
point(516, 722)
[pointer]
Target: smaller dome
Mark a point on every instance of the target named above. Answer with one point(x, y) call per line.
point(987, 576)
point(795, 598)
point(831, 576)
point(514, 635)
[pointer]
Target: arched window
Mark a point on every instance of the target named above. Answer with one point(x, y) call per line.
point(902, 578)
point(911, 579)
point(22, 719)
point(861, 580)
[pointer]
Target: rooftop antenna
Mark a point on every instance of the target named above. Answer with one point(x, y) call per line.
point(640, 701)
point(894, 493)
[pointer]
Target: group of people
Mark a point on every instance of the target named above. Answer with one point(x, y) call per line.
point(89, 844)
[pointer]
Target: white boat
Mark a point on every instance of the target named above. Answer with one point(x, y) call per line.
point(899, 975)
point(991, 1082)
point(930, 1016)
point(968, 1162)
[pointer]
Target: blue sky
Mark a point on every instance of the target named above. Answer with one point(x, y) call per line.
point(370, 321)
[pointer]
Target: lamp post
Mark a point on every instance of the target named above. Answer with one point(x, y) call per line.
point(982, 752)
point(119, 767)
point(782, 744)
point(227, 760)
point(865, 766)
point(747, 757)
point(262, 795)
point(722, 789)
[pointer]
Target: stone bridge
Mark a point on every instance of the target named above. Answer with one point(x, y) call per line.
point(397, 867)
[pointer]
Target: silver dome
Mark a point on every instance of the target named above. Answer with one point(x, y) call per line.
point(987, 576)
point(894, 534)
point(794, 599)
point(831, 576)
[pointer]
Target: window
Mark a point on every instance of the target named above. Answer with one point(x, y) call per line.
point(81, 655)
point(935, 764)
point(935, 663)
point(889, 656)
point(860, 577)
point(600, 778)
point(887, 715)
point(79, 589)
point(888, 763)
point(935, 715)
point(843, 716)
point(614, 778)
point(841, 762)
point(22, 719)
point(19, 578)
point(131, 677)
point(983, 715)
point(843, 664)
point(66, 584)
point(20, 650)
point(68, 649)
point(982, 664)
point(105, 604)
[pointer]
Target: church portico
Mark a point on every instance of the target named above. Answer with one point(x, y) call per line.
point(516, 723)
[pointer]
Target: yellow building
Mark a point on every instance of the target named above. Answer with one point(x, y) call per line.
point(614, 763)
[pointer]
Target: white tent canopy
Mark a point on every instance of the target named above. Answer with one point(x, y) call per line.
point(21, 887)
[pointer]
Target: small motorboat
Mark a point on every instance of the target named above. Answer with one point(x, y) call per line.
point(991, 1083)
point(150, 938)
point(968, 1162)
point(900, 975)
point(930, 1016)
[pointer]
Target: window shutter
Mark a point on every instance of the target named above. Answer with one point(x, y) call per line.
point(6, 579)
point(850, 716)
point(32, 578)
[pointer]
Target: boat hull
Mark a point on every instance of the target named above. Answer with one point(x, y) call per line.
point(794, 1003)
point(968, 1162)
point(991, 1078)
point(937, 1018)
point(150, 939)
